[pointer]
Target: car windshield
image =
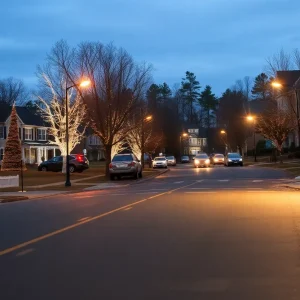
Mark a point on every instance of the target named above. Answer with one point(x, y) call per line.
point(234, 155)
point(122, 158)
point(185, 157)
point(170, 157)
point(159, 159)
point(219, 155)
point(202, 156)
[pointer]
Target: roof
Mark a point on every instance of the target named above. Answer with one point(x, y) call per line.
point(288, 78)
point(29, 116)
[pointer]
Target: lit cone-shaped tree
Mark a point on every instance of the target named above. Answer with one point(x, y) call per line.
point(13, 152)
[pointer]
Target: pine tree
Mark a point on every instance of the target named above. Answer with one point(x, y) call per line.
point(208, 103)
point(13, 151)
point(261, 88)
point(190, 88)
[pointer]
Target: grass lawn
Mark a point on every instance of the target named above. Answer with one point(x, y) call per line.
point(33, 177)
point(292, 168)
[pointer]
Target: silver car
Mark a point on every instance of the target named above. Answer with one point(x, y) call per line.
point(160, 162)
point(125, 165)
point(171, 160)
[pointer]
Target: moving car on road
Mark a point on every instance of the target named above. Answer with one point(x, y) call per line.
point(201, 160)
point(217, 159)
point(233, 159)
point(160, 162)
point(77, 163)
point(125, 165)
point(185, 159)
point(171, 160)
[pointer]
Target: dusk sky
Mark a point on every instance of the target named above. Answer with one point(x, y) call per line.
point(220, 41)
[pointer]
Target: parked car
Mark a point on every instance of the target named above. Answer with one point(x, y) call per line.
point(171, 160)
point(77, 163)
point(160, 162)
point(185, 159)
point(201, 160)
point(125, 165)
point(217, 159)
point(233, 159)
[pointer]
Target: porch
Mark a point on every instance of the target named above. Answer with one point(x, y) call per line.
point(36, 153)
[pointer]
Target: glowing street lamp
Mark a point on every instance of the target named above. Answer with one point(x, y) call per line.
point(251, 119)
point(183, 135)
point(148, 118)
point(223, 132)
point(277, 84)
point(82, 84)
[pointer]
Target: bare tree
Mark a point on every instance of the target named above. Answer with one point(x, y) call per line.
point(276, 125)
point(280, 61)
point(13, 91)
point(118, 86)
point(54, 114)
point(297, 58)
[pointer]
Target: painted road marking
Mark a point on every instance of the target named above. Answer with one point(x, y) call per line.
point(115, 194)
point(178, 182)
point(223, 180)
point(83, 219)
point(199, 180)
point(24, 252)
point(199, 189)
point(67, 228)
point(257, 181)
point(82, 197)
point(128, 208)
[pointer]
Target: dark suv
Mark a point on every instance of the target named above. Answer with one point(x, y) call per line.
point(77, 162)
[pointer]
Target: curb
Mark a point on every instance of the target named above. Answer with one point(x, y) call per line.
point(21, 198)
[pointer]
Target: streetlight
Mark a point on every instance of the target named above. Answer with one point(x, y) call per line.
point(278, 85)
point(144, 119)
point(82, 84)
point(252, 120)
point(183, 135)
point(223, 132)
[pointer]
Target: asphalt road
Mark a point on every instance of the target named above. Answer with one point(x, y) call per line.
point(218, 233)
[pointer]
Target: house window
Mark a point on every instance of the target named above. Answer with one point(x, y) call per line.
point(41, 134)
point(1, 153)
point(1, 132)
point(28, 134)
point(94, 140)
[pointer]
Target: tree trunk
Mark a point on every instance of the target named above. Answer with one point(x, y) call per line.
point(108, 159)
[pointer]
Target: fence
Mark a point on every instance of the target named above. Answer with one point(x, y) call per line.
point(9, 181)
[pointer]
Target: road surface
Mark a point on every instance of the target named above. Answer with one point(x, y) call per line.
point(218, 233)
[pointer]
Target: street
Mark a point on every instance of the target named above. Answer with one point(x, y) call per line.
point(215, 233)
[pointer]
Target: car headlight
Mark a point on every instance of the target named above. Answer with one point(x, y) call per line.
point(207, 161)
point(241, 159)
point(197, 161)
point(215, 159)
point(229, 160)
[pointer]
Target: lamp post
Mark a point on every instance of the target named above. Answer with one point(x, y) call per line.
point(82, 84)
point(278, 85)
point(223, 132)
point(183, 135)
point(144, 119)
point(251, 119)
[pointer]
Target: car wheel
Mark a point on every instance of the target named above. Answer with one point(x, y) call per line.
point(112, 177)
point(119, 177)
point(72, 169)
point(136, 175)
point(141, 174)
point(44, 169)
point(241, 164)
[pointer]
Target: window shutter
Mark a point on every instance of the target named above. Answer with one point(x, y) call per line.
point(4, 132)
point(20, 133)
point(23, 134)
point(32, 134)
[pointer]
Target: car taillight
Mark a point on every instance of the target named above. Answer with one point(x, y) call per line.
point(80, 158)
point(132, 164)
point(110, 165)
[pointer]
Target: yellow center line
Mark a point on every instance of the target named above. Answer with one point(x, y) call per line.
point(56, 232)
